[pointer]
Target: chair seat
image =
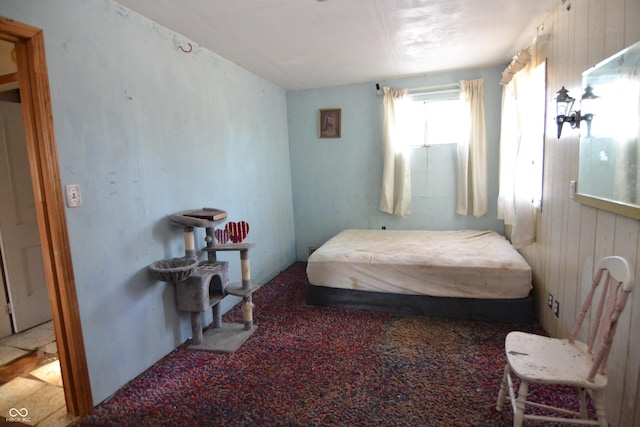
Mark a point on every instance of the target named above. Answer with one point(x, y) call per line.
point(543, 360)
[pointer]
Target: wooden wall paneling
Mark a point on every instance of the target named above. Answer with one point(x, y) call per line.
point(586, 255)
point(539, 53)
point(575, 31)
point(604, 246)
point(536, 254)
point(631, 27)
point(614, 24)
point(605, 234)
point(631, 391)
point(595, 36)
point(573, 295)
point(566, 283)
point(621, 365)
point(594, 42)
point(544, 255)
point(572, 238)
point(595, 53)
point(562, 177)
point(560, 64)
point(547, 207)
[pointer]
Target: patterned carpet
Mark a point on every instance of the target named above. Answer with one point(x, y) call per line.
point(318, 366)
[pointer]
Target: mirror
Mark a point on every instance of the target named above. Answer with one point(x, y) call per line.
point(608, 175)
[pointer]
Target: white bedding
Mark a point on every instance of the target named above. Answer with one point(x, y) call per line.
point(463, 264)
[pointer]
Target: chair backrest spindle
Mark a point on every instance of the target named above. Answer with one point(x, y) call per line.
point(595, 326)
point(617, 302)
point(586, 305)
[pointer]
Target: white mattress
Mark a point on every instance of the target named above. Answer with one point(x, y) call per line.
point(463, 264)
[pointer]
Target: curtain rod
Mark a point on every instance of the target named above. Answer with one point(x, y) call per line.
point(434, 92)
point(518, 62)
point(452, 87)
point(521, 59)
point(430, 88)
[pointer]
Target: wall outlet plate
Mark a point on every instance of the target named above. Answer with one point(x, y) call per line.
point(572, 189)
point(556, 308)
point(73, 195)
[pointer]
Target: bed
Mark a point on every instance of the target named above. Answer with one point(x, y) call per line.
point(463, 274)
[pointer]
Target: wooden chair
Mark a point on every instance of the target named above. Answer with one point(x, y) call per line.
point(537, 359)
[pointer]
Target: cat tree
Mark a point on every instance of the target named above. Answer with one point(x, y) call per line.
point(201, 285)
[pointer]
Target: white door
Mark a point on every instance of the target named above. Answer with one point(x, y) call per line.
point(5, 319)
point(19, 239)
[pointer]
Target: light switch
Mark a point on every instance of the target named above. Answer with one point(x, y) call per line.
point(572, 189)
point(73, 196)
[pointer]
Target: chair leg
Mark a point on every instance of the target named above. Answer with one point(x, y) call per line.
point(583, 403)
point(521, 403)
point(503, 389)
point(598, 403)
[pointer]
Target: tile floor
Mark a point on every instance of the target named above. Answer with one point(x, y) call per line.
point(35, 397)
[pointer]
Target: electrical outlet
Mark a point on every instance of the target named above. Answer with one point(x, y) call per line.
point(550, 300)
point(556, 308)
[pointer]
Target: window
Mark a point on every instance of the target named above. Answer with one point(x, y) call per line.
point(434, 122)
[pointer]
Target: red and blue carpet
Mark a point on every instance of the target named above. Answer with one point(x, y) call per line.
point(318, 366)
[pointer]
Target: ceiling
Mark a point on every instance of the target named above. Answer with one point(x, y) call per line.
point(303, 44)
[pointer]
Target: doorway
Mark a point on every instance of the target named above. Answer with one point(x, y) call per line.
point(23, 275)
point(47, 189)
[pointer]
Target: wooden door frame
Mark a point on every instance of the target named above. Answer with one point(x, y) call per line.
point(47, 188)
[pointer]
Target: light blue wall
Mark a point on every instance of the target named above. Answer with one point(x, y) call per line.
point(336, 182)
point(147, 130)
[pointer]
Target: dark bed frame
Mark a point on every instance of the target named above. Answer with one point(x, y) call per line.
point(493, 310)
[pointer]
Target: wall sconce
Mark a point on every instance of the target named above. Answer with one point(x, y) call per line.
point(564, 103)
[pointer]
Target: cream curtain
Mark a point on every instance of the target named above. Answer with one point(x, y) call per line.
point(472, 152)
point(396, 173)
point(521, 153)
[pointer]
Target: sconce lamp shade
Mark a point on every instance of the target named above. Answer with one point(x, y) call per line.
point(588, 93)
point(564, 103)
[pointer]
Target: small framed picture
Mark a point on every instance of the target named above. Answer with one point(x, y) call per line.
point(330, 123)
